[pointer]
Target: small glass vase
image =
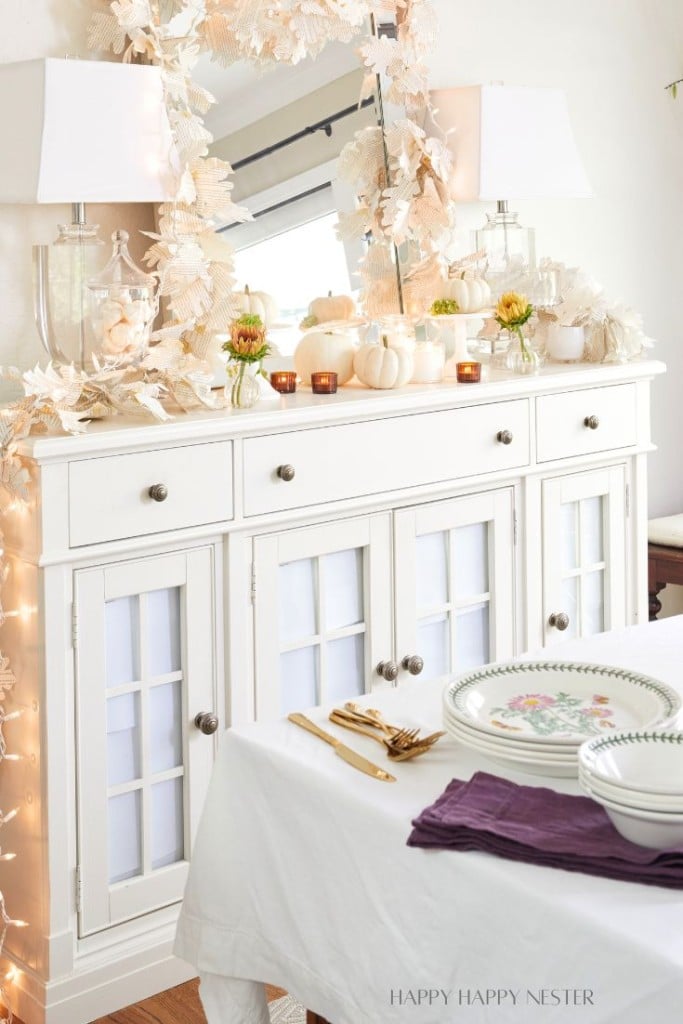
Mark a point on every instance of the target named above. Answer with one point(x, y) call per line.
point(521, 358)
point(244, 392)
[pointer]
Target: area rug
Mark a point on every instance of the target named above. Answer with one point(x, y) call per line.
point(286, 1011)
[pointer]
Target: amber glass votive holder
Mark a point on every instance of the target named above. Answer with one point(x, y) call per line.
point(468, 373)
point(283, 381)
point(324, 382)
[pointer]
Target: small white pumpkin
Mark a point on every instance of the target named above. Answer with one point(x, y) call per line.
point(332, 307)
point(325, 350)
point(472, 294)
point(259, 304)
point(379, 366)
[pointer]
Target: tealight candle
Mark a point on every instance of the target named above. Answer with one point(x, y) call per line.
point(283, 381)
point(324, 383)
point(468, 373)
point(429, 358)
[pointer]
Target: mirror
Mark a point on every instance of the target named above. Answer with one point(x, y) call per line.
point(282, 130)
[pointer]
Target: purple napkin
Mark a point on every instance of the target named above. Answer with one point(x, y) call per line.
point(540, 826)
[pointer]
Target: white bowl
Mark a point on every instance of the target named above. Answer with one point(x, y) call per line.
point(645, 762)
point(645, 828)
point(661, 802)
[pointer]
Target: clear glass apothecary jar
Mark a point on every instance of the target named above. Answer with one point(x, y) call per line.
point(122, 307)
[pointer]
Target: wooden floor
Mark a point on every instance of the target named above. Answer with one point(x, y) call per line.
point(179, 1005)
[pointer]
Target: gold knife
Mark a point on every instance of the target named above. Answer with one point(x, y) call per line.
point(346, 753)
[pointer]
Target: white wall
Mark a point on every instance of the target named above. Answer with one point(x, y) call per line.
point(29, 29)
point(613, 58)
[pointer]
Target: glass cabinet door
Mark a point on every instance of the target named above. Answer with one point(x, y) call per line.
point(455, 583)
point(584, 553)
point(322, 613)
point(145, 668)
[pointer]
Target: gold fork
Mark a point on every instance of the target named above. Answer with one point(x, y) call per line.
point(403, 745)
point(373, 718)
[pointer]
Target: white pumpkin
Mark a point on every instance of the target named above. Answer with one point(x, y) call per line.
point(471, 294)
point(379, 366)
point(332, 307)
point(259, 304)
point(325, 350)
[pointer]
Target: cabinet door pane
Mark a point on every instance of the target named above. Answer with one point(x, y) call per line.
point(431, 569)
point(163, 631)
point(472, 643)
point(299, 679)
point(570, 535)
point(166, 726)
point(471, 560)
point(168, 845)
point(125, 836)
point(343, 576)
point(123, 738)
point(570, 604)
point(297, 590)
point(345, 668)
point(592, 545)
point(593, 601)
point(122, 637)
point(432, 643)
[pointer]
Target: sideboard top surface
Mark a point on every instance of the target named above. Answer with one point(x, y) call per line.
point(303, 409)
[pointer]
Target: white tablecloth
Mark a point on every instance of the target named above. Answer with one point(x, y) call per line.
point(301, 877)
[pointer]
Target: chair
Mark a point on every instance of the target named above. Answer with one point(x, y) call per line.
point(664, 558)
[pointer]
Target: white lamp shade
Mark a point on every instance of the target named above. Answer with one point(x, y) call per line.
point(84, 131)
point(510, 142)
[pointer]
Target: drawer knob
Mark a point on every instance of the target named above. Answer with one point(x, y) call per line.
point(158, 492)
point(388, 670)
point(592, 422)
point(504, 436)
point(560, 620)
point(206, 722)
point(413, 663)
point(286, 473)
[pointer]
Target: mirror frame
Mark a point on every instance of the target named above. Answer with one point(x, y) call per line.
point(400, 172)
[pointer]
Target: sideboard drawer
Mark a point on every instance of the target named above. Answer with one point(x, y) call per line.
point(336, 463)
point(109, 498)
point(583, 422)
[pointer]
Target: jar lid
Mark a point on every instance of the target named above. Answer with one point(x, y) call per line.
point(120, 270)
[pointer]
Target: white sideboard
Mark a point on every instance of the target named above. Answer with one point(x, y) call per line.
point(239, 565)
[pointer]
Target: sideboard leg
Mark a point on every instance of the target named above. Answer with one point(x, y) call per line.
point(655, 605)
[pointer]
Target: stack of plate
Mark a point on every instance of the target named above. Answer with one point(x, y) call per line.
point(535, 715)
point(638, 779)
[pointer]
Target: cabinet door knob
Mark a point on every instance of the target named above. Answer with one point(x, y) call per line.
point(158, 492)
point(413, 663)
point(388, 670)
point(206, 722)
point(592, 422)
point(286, 473)
point(560, 620)
point(504, 436)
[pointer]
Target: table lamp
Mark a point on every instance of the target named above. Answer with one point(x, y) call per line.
point(80, 131)
point(509, 142)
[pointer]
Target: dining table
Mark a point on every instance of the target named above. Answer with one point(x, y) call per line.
point(301, 877)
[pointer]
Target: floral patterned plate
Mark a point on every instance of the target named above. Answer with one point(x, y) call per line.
point(509, 740)
point(557, 702)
